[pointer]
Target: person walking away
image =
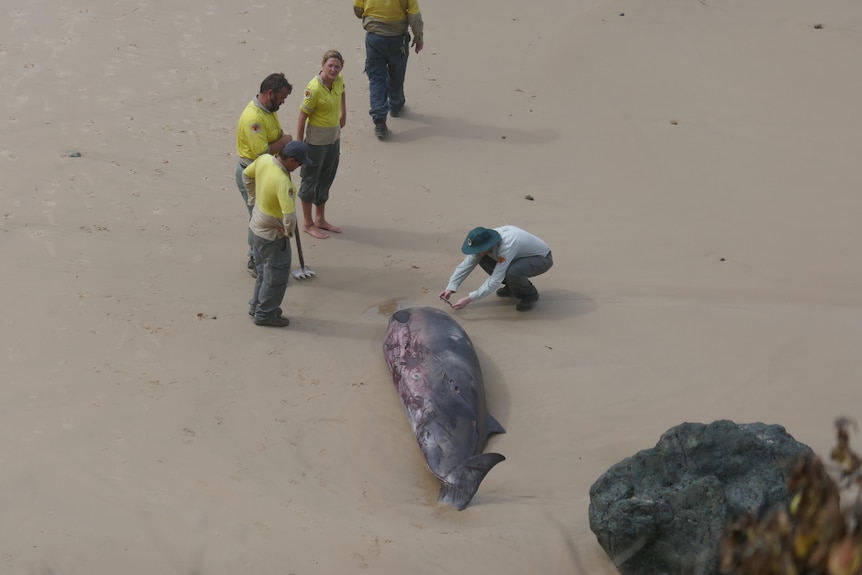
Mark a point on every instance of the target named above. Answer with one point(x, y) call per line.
point(322, 114)
point(259, 132)
point(510, 256)
point(273, 221)
point(387, 46)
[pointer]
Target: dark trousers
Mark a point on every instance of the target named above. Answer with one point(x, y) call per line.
point(273, 270)
point(242, 190)
point(318, 178)
point(519, 272)
point(386, 66)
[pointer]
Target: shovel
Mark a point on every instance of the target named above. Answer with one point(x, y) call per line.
point(303, 272)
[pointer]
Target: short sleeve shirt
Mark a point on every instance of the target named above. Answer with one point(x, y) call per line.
point(256, 129)
point(323, 107)
point(274, 195)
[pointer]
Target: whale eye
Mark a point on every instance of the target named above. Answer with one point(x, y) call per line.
point(457, 389)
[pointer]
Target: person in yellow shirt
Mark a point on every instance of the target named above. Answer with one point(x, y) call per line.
point(259, 132)
point(273, 220)
point(322, 114)
point(387, 46)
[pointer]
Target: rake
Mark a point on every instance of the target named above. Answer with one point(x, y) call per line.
point(303, 272)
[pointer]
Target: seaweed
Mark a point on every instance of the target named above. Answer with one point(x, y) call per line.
point(813, 534)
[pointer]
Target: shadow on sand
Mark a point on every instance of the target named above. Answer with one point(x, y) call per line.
point(418, 126)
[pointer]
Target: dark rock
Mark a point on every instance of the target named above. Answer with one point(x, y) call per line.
point(663, 510)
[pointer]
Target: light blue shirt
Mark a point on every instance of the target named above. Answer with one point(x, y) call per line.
point(514, 243)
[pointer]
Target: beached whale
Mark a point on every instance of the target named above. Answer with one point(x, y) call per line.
point(437, 374)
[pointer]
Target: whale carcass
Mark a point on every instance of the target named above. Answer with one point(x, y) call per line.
point(436, 372)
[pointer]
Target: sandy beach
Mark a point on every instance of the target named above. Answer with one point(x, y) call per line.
point(694, 165)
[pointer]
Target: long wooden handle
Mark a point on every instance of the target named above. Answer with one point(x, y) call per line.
point(296, 233)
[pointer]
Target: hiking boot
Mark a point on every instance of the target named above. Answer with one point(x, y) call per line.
point(395, 112)
point(380, 129)
point(253, 273)
point(250, 264)
point(273, 322)
point(277, 312)
point(504, 292)
point(526, 303)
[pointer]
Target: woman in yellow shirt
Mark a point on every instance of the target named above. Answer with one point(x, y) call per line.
point(321, 116)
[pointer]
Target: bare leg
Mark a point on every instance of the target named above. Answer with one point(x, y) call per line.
point(322, 223)
point(308, 223)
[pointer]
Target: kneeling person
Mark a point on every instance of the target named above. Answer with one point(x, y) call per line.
point(510, 256)
point(273, 222)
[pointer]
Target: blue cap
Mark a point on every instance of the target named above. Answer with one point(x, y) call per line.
point(298, 151)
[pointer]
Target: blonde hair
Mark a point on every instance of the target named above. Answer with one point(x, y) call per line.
point(332, 54)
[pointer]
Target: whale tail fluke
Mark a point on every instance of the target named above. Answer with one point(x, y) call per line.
point(459, 487)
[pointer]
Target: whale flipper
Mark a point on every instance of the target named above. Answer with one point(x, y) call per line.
point(493, 425)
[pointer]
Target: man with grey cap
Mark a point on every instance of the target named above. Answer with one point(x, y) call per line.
point(273, 221)
point(510, 256)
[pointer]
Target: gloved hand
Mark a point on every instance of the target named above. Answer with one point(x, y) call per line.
point(290, 224)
